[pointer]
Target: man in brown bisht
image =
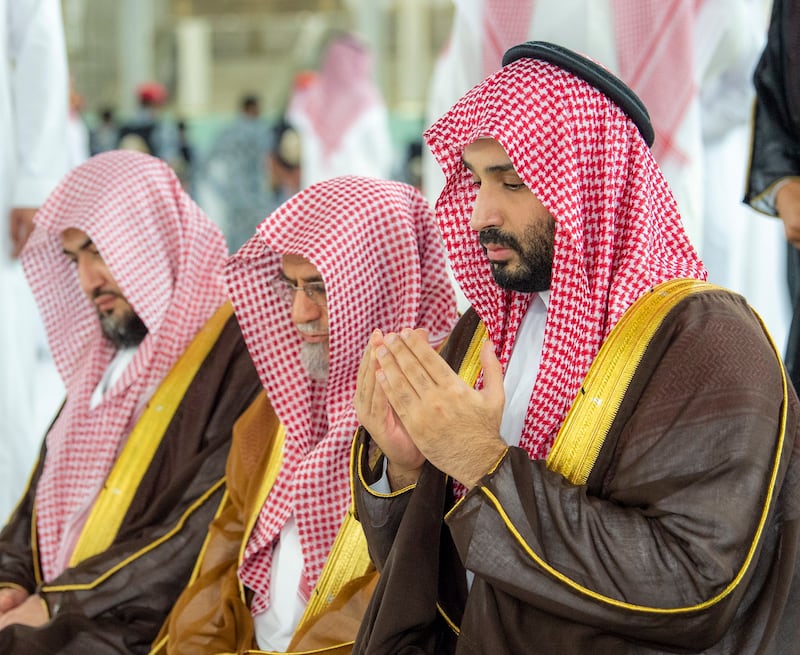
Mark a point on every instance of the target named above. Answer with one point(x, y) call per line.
point(286, 568)
point(127, 273)
point(624, 445)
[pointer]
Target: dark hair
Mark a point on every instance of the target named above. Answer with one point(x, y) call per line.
point(250, 101)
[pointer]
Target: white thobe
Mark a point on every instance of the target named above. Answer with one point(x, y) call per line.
point(364, 149)
point(33, 133)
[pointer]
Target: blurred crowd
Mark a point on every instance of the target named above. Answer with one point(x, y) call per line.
point(691, 63)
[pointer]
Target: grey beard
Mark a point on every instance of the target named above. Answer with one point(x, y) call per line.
point(123, 332)
point(314, 360)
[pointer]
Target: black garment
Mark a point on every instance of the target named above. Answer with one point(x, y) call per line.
point(116, 601)
point(776, 140)
point(685, 537)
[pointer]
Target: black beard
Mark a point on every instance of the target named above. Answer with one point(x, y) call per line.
point(534, 271)
point(124, 332)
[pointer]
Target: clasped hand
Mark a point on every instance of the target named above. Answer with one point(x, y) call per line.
point(17, 606)
point(416, 408)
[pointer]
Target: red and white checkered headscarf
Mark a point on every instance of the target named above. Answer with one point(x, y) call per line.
point(377, 248)
point(166, 257)
point(505, 23)
point(655, 53)
point(618, 231)
point(341, 92)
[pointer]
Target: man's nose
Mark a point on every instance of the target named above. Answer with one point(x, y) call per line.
point(89, 276)
point(485, 211)
point(304, 310)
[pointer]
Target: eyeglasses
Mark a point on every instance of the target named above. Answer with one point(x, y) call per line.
point(315, 291)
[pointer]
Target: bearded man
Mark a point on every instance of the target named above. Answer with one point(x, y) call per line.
point(624, 445)
point(286, 567)
point(127, 273)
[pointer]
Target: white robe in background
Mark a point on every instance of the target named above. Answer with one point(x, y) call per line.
point(33, 158)
point(365, 149)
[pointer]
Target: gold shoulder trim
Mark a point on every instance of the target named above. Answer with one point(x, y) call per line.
point(681, 287)
point(123, 481)
point(586, 425)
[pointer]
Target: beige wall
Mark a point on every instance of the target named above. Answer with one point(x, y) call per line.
point(219, 49)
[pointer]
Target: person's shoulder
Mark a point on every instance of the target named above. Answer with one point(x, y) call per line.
point(718, 331)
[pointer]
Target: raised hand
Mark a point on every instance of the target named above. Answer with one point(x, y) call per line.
point(454, 426)
point(381, 421)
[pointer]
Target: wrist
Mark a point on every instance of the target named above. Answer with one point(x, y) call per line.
point(401, 477)
point(491, 456)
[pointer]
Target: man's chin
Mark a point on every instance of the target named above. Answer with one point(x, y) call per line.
point(124, 330)
point(506, 279)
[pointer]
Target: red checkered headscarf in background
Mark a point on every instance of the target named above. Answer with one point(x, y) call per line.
point(618, 231)
point(166, 257)
point(655, 48)
point(377, 248)
point(505, 23)
point(340, 93)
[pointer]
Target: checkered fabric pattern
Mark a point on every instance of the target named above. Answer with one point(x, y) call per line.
point(377, 249)
point(505, 23)
point(655, 52)
point(341, 92)
point(166, 257)
point(618, 231)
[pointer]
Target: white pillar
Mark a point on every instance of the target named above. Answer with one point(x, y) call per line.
point(370, 23)
point(413, 57)
point(193, 37)
point(136, 50)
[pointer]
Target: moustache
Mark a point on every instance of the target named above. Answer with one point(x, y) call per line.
point(96, 293)
point(312, 327)
point(492, 235)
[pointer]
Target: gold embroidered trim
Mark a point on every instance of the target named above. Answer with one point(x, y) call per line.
point(450, 623)
point(85, 586)
point(586, 425)
point(274, 461)
point(198, 563)
point(759, 530)
point(348, 559)
point(470, 367)
point(338, 649)
point(123, 481)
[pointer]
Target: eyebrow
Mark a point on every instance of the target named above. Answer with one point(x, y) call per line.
point(305, 280)
point(495, 168)
point(82, 247)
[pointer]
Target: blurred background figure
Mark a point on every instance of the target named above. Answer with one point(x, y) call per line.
point(148, 131)
point(773, 181)
point(284, 163)
point(184, 160)
point(33, 158)
point(77, 131)
point(741, 249)
point(236, 172)
point(105, 135)
point(341, 116)
point(412, 168)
